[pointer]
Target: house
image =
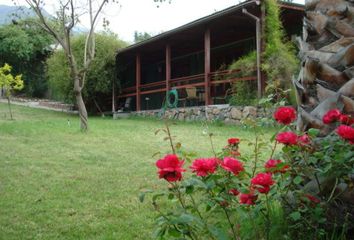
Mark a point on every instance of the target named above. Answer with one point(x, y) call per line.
point(193, 57)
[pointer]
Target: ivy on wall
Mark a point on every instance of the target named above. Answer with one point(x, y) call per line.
point(279, 60)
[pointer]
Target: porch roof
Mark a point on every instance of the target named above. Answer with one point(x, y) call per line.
point(198, 25)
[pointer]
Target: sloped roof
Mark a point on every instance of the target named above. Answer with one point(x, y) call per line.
point(206, 19)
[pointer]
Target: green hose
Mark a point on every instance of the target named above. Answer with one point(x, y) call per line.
point(170, 93)
point(167, 102)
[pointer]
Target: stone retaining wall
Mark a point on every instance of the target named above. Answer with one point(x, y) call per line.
point(42, 103)
point(224, 113)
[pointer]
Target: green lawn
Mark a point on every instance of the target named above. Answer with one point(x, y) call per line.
point(59, 183)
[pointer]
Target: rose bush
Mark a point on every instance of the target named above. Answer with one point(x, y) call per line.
point(290, 196)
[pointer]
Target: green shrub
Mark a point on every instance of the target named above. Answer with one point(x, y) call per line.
point(99, 77)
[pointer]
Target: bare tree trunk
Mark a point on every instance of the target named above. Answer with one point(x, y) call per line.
point(8, 103)
point(79, 100)
point(82, 111)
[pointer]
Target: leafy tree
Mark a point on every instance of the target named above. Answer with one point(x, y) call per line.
point(98, 78)
point(24, 46)
point(141, 36)
point(9, 83)
point(66, 19)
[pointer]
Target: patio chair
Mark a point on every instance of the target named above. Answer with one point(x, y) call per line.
point(192, 95)
point(223, 99)
point(127, 105)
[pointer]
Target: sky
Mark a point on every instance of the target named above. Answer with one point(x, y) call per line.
point(147, 16)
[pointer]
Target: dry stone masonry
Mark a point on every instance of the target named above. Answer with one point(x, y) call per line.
point(223, 113)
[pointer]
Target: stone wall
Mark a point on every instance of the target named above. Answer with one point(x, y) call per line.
point(224, 113)
point(42, 103)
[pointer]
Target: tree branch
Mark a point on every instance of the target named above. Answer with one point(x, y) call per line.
point(89, 52)
point(35, 5)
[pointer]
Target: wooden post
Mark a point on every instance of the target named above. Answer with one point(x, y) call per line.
point(258, 50)
point(168, 67)
point(263, 44)
point(138, 81)
point(207, 67)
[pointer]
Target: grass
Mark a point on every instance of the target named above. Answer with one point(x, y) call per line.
point(59, 183)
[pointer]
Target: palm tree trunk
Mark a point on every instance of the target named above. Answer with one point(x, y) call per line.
point(326, 80)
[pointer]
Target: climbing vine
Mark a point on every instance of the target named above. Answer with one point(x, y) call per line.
point(279, 60)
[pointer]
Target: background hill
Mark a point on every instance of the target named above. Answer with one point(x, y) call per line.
point(7, 13)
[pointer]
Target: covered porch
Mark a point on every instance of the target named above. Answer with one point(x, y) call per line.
point(193, 59)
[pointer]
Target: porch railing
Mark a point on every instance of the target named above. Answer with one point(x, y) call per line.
point(198, 80)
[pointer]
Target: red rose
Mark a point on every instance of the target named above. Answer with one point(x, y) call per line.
point(303, 140)
point(275, 166)
point(346, 132)
point(170, 168)
point(312, 198)
point(232, 165)
point(285, 115)
point(248, 198)
point(331, 116)
point(224, 204)
point(204, 166)
point(233, 141)
point(235, 153)
point(287, 138)
point(262, 182)
point(346, 119)
point(234, 192)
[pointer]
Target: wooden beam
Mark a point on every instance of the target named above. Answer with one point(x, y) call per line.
point(127, 95)
point(138, 81)
point(153, 91)
point(263, 45)
point(189, 85)
point(292, 7)
point(168, 67)
point(207, 66)
point(231, 80)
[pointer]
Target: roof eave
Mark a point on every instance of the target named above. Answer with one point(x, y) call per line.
point(166, 34)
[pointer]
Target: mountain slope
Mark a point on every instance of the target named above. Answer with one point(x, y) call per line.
point(7, 13)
